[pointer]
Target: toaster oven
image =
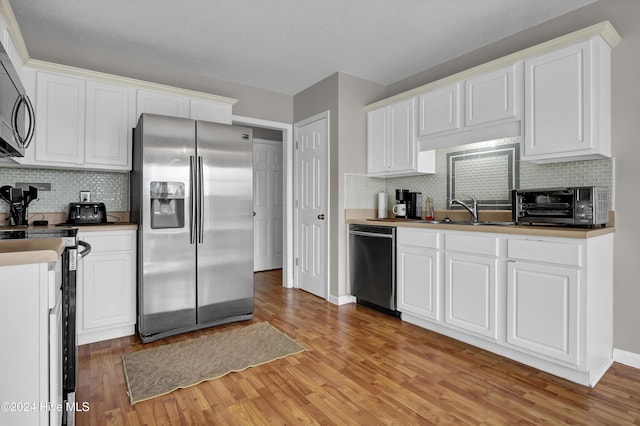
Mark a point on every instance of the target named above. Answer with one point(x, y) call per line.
point(571, 206)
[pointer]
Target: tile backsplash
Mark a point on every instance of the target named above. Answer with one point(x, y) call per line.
point(107, 187)
point(362, 191)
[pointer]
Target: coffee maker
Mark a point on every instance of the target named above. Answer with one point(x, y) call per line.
point(18, 200)
point(401, 207)
point(414, 208)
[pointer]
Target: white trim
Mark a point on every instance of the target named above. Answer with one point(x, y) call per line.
point(287, 181)
point(342, 300)
point(320, 116)
point(627, 358)
point(126, 81)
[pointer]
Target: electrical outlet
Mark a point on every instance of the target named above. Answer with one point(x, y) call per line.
point(85, 196)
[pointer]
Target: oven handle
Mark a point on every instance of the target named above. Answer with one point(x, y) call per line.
point(86, 251)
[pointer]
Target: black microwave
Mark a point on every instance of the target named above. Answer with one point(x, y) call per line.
point(573, 206)
point(17, 119)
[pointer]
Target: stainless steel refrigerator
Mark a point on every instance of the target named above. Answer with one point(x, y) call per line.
point(192, 198)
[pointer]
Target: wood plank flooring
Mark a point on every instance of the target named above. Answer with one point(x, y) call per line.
point(361, 368)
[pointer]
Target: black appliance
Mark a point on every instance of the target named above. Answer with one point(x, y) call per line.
point(570, 206)
point(372, 266)
point(86, 214)
point(15, 110)
point(414, 208)
point(70, 257)
point(402, 197)
point(18, 200)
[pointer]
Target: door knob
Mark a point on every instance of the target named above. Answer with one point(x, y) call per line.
point(321, 216)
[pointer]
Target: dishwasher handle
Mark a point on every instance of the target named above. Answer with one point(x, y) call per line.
point(370, 234)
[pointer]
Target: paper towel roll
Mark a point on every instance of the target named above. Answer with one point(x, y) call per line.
point(382, 205)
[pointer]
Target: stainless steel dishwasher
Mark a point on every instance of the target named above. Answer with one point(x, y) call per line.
point(372, 266)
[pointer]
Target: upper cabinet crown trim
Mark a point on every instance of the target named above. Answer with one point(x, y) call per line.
point(112, 78)
point(603, 29)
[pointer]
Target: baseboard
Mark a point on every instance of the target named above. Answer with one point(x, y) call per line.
point(342, 300)
point(627, 358)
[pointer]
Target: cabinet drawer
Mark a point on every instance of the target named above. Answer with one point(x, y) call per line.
point(487, 246)
point(419, 238)
point(546, 251)
point(109, 242)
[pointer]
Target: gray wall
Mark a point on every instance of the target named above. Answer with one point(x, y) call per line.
point(344, 97)
point(623, 14)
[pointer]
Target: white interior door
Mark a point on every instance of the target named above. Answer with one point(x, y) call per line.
point(267, 204)
point(312, 204)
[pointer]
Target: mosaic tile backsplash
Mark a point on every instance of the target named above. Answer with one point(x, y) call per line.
point(109, 188)
point(362, 191)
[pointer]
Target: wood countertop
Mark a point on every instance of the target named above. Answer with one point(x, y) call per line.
point(21, 252)
point(536, 230)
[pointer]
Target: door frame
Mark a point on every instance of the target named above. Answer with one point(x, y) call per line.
point(301, 123)
point(287, 181)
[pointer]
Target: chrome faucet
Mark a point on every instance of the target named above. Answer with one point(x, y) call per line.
point(473, 209)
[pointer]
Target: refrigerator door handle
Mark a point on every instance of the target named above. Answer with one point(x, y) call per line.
point(200, 200)
point(192, 205)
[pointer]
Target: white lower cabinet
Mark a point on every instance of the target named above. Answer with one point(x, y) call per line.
point(542, 309)
point(470, 293)
point(106, 293)
point(544, 301)
point(26, 293)
point(419, 274)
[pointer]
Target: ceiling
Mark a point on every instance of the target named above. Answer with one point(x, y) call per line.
point(278, 45)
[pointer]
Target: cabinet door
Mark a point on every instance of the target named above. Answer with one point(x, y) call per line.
point(558, 102)
point(492, 97)
point(377, 141)
point(470, 293)
point(439, 110)
point(60, 108)
point(106, 290)
point(107, 127)
point(402, 136)
point(161, 103)
point(542, 309)
point(210, 111)
point(419, 281)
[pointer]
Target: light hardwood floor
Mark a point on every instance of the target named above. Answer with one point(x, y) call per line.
point(361, 368)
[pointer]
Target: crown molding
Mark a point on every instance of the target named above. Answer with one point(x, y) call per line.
point(126, 81)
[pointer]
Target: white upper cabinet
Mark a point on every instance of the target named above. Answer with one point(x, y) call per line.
point(153, 102)
point(80, 124)
point(568, 103)
point(391, 142)
point(556, 95)
point(85, 123)
point(60, 112)
point(107, 139)
point(493, 96)
point(482, 107)
point(439, 110)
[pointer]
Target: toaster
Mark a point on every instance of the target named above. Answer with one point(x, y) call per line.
point(84, 213)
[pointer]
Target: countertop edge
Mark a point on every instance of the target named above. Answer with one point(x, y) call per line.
point(23, 252)
point(534, 230)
